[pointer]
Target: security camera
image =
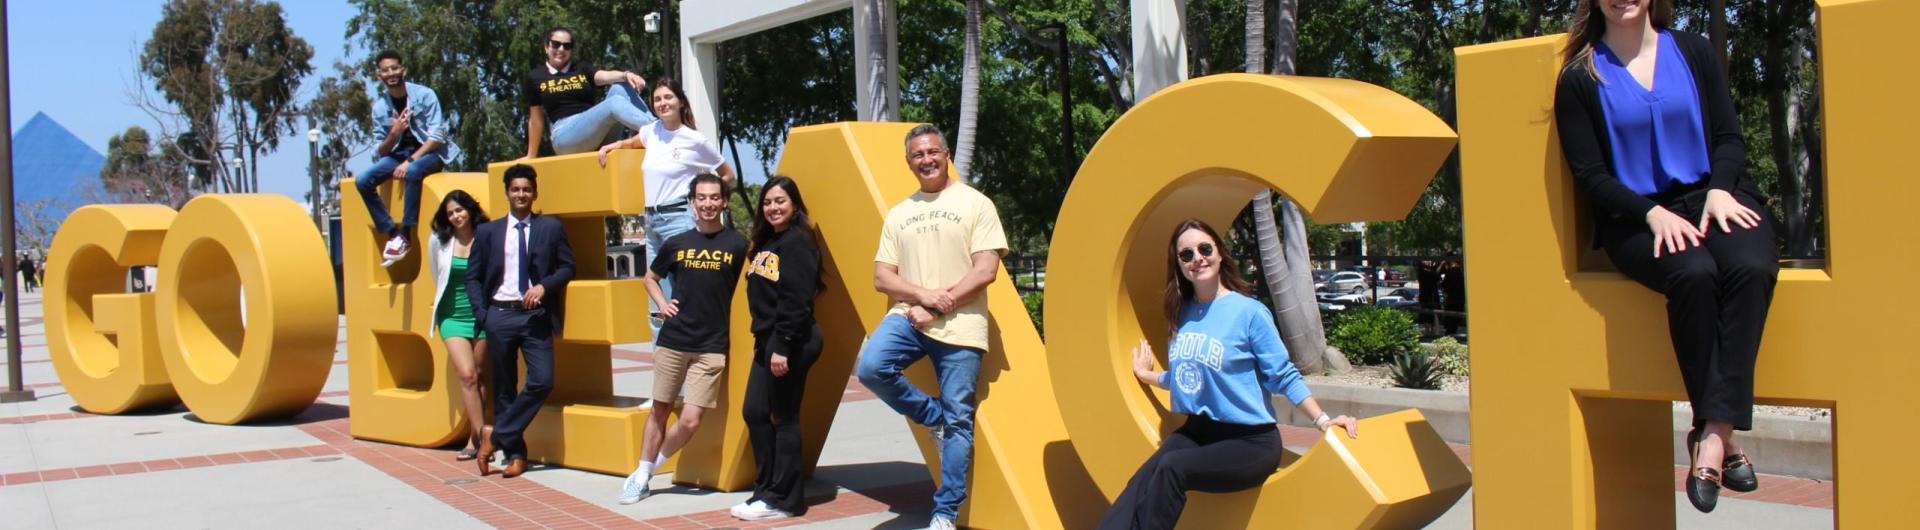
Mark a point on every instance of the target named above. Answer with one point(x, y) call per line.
point(652, 21)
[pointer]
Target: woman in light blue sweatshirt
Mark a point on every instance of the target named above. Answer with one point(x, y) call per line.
point(1223, 359)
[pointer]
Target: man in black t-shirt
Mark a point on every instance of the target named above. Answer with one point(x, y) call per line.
point(566, 95)
point(705, 265)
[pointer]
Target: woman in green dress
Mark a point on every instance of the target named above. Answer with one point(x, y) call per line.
point(453, 227)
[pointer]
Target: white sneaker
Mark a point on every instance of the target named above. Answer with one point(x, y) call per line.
point(738, 509)
point(938, 432)
point(395, 250)
point(940, 523)
point(758, 511)
point(635, 489)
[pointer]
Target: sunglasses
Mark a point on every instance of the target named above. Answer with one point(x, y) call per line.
point(560, 45)
point(1206, 251)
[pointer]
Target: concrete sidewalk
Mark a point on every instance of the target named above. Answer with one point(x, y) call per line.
point(62, 468)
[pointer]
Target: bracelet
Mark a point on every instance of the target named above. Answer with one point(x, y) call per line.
point(1322, 421)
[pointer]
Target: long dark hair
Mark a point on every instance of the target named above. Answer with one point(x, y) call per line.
point(443, 228)
point(686, 107)
point(1589, 24)
point(763, 230)
point(1179, 288)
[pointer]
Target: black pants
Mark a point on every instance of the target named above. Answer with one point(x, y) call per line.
point(1204, 455)
point(1717, 301)
point(511, 334)
point(772, 413)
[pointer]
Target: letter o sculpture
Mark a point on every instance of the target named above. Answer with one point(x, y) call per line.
point(273, 362)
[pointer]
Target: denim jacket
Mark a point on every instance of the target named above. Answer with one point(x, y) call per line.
point(427, 122)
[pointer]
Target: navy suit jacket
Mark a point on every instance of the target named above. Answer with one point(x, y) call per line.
point(548, 251)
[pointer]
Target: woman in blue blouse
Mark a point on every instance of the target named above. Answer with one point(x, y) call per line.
point(1648, 128)
point(1223, 359)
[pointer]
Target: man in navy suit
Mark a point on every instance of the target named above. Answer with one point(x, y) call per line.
point(517, 282)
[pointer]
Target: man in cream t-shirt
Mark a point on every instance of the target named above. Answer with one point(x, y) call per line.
point(938, 251)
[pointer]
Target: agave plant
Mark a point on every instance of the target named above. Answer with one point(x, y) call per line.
point(1415, 370)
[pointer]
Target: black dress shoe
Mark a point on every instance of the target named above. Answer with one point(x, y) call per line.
point(1739, 474)
point(1703, 488)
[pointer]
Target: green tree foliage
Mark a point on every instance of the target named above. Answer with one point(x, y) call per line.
point(475, 56)
point(228, 72)
point(1018, 150)
point(343, 112)
point(137, 171)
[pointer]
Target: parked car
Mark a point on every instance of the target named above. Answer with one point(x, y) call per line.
point(1343, 282)
point(1403, 297)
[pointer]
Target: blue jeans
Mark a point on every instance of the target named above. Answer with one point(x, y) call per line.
point(370, 180)
point(584, 132)
point(660, 228)
point(893, 347)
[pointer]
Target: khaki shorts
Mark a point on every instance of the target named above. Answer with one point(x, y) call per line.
point(700, 372)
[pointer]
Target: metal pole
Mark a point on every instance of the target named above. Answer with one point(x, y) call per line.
point(16, 389)
point(1068, 166)
point(313, 171)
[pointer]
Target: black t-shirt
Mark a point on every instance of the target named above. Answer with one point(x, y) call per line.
point(563, 94)
point(704, 268)
point(406, 144)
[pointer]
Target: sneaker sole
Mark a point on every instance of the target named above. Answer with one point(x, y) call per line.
point(642, 497)
point(762, 517)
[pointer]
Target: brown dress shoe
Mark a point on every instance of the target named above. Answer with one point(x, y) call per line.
point(514, 468)
point(486, 451)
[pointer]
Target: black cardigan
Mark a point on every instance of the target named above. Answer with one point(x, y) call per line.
point(1585, 143)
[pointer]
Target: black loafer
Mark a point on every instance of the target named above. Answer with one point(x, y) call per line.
point(1703, 489)
point(1739, 475)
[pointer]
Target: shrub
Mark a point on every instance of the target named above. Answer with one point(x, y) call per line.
point(1415, 370)
point(1373, 335)
point(1033, 301)
point(1451, 354)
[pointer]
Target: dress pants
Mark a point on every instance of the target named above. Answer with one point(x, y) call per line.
point(1203, 455)
point(1717, 300)
point(512, 334)
point(772, 412)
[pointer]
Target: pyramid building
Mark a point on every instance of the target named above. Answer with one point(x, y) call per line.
point(50, 162)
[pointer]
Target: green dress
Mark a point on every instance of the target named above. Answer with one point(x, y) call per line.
point(455, 317)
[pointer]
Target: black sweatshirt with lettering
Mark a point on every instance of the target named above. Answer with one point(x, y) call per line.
point(782, 280)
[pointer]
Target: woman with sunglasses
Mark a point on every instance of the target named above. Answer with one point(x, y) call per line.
point(566, 95)
point(1223, 359)
point(781, 284)
point(1649, 130)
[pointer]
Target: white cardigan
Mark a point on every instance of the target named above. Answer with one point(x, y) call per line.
point(440, 259)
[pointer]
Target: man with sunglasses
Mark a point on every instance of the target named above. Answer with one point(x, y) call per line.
point(413, 145)
point(565, 95)
point(939, 249)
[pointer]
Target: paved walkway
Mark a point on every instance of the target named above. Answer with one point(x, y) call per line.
point(62, 468)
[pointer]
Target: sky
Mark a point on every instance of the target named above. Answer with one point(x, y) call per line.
point(74, 60)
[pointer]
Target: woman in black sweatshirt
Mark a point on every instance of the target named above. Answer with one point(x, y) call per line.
point(782, 280)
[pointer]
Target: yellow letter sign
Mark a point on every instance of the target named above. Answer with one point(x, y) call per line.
point(1574, 374)
point(192, 339)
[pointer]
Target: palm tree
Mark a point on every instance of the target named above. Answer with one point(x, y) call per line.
point(1285, 262)
point(969, 94)
point(880, 22)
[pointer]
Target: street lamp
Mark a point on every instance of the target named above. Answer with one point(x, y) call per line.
point(313, 173)
point(240, 170)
